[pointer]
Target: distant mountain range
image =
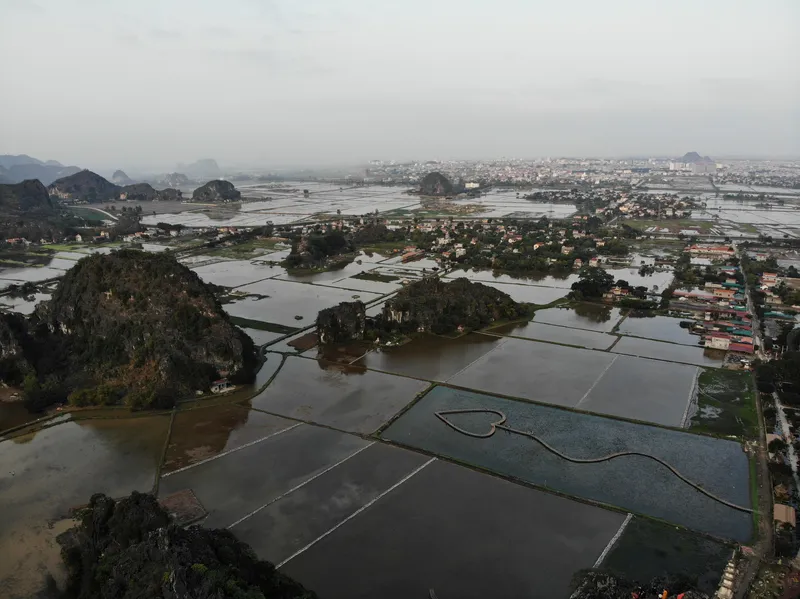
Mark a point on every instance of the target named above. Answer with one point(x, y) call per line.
point(18, 168)
point(204, 169)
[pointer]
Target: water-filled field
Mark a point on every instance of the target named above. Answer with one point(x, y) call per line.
point(631, 482)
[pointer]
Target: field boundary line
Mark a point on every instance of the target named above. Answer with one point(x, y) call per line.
point(499, 344)
point(597, 380)
point(613, 541)
point(234, 450)
point(302, 484)
point(692, 400)
point(356, 513)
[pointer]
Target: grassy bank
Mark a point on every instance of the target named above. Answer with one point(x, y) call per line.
point(726, 404)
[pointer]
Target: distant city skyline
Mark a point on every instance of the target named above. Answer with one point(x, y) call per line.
point(273, 83)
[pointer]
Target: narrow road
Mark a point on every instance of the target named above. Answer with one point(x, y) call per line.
point(763, 546)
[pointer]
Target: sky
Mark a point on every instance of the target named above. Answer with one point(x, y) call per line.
point(145, 84)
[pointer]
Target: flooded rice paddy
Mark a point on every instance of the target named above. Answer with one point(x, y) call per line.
point(235, 273)
point(591, 317)
point(660, 328)
point(285, 300)
point(44, 474)
point(447, 520)
point(630, 482)
point(670, 351)
point(596, 381)
point(659, 280)
point(233, 485)
point(554, 334)
point(430, 357)
point(350, 399)
point(205, 432)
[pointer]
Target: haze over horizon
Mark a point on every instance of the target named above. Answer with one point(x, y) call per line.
point(147, 84)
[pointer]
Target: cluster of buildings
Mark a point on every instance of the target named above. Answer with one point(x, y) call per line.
point(651, 206)
point(719, 308)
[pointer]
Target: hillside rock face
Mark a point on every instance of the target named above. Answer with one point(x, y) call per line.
point(27, 211)
point(342, 323)
point(139, 192)
point(216, 191)
point(128, 549)
point(170, 194)
point(431, 304)
point(120, 178)
point(435, 184)
point(16, 348)
point(25, 196)
point(137, 328)
point(85, 186)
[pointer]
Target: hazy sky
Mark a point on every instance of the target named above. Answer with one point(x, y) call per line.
point(148, 83)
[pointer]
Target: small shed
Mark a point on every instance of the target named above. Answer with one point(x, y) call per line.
point(785, 514)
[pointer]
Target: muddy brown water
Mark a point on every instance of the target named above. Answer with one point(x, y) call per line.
point(44, 474)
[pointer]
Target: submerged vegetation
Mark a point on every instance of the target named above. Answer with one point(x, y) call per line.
point(725, 404)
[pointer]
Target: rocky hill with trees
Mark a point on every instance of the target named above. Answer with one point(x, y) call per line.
point(140, 192)
point(431, 304)
point(128, 327)
point(129, 549)
point(216, 191)
point(24, 197)
point(428, 305)
point(319, 249)
point(435, 184)
point(84, 186)
point(27, 211)
point(340, 324)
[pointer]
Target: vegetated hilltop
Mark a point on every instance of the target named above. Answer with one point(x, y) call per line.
point(128, 549)
point(15, 169)
point(130, 327)
point(25, 196)
point(431, 304)
point(216, 191)
point(435, 184)
point(318, 249)
point(144, 192)
point(342, 323)
point(428, 305)
point(27, 211)
point(86, 186)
